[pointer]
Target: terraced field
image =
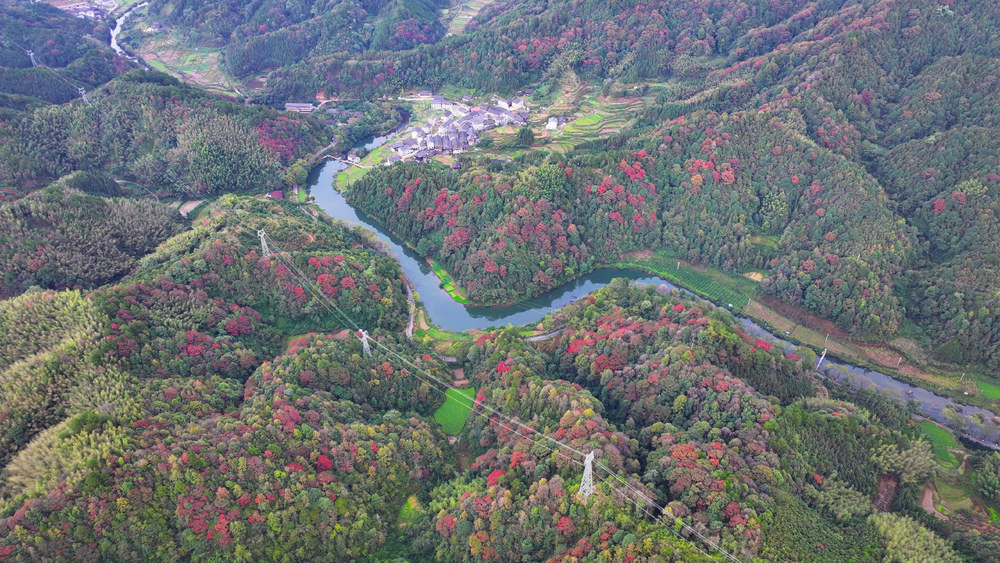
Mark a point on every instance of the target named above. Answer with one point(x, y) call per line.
point(197, 65)
point(599, 120)
point(448, 283)
point(466, 11)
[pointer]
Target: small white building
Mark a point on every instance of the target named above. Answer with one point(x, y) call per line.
point(552, 124)
point(299, 108)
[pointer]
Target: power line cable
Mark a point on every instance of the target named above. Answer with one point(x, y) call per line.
point(479, 408)
point(388, 351)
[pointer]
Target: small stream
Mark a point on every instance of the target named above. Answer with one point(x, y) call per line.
point(118, 29)
point(452, 315)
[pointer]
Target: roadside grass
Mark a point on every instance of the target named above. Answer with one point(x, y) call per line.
point(454, 92)
point(442, 335)
point(710, 283)
point(453, 413)
point(781, 324)
point(941, 441)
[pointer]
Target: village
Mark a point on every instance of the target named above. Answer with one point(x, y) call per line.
point(457, 127)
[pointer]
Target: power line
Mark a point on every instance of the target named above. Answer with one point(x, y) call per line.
point(333, 307)
point(437, 384)
point(434, 382)
point(442, 386)
point(343, 315)
point(35, 64)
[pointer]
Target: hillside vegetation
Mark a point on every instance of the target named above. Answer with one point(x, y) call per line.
point(168, 392)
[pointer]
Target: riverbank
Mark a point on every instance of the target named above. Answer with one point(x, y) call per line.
point(447, 282)
point(731, 292)
point(449, 315)
point(741, 295)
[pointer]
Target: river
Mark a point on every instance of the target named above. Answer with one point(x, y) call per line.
point(118, 29)
point(452, 315)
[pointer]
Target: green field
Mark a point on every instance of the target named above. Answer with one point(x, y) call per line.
point(989, 390)
point(585, 121)
point(448, 283)
point(452, 414)
point(157, 65)
point(710, 283)
point(352, 173)
point(941, 441)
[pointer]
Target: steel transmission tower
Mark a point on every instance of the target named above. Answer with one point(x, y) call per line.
point(264, 250)
point(587, 484)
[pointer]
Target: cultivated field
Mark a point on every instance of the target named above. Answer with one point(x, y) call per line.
point(731, 292)
point(464, 12)
point(597, 119)
point(197, 65)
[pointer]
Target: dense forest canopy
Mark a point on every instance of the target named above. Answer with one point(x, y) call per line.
point(859, 178)
point(169, 391)
point(264, 35)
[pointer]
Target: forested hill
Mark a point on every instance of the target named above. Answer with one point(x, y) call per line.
point(171, 391)
point(51, 238)
point(852, 159)
point(148, 129)
point(175, 403)
point(70, 52)
point(511, 44)
point(269, 34)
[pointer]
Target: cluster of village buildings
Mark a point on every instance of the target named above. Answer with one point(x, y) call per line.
point(89, 9)
point(457, 127)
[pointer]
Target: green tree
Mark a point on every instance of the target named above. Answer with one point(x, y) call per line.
point(988, 477)
point(525, 136)
point(907, 540)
